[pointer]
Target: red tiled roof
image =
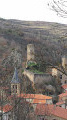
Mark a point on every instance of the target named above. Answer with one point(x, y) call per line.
point(42, 109)
point(36, 101)
point(60, 103)
point(35, 96)
point(40, 96)
point(6, 108)
point(64, 86)
point(31, 96)
point(63, 94)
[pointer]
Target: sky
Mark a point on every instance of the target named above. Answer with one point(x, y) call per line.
point(29, 10)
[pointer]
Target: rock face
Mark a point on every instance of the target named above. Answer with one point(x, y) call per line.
point(14, 59)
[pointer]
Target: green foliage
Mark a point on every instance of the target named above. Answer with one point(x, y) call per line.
point(31, 64)
point(22, 70)
point(34, 67)
point(36, 71)
point(9, 31)
point(13, 49)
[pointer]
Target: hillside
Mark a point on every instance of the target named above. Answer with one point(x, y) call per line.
point(50, 39)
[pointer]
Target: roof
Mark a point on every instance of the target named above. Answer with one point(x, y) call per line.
point(64, 86)
point(63, 94)
point(44, 109)
point(60, 103)
point(15, 78)
point(36, 101)
point(35, 96)
point(6, 108)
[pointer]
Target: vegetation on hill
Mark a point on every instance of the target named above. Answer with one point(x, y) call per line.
point(50, 40)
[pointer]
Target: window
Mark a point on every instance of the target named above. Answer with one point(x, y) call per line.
point(16, 86)
point(13, 86)
point(60, 76)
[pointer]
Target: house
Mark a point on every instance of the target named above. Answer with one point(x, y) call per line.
point(62, 97)
point(58, 71)
point(62, 104)
point(36, 98)
point(50, 112)
point(5, 112)
point(64, 87)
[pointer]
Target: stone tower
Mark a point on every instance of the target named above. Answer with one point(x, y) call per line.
point(64, 61)
point(15, 84)
point(30, 52)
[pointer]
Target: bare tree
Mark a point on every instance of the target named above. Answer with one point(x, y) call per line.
point(59, 6)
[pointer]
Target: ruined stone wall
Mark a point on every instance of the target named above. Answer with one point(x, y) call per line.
point(30, 52)
point(29, 74)
point(37, 78)
point(64, 61)
point(60, 75)
point(64, 79)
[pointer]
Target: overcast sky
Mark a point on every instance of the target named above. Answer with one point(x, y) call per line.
point(33, 10)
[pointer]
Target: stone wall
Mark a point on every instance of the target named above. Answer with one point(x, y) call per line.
point(29, 74)
point(15, 89)
point(37, 78)
point(30, 52)
point(64, 79)
point(64, 61)
point(42, 77)
point(60, 75)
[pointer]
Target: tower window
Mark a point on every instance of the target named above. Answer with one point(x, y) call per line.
point(60, 76)
point(13, 86)
point(16, 86)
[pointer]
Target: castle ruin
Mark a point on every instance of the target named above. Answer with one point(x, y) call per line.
point(30, 53)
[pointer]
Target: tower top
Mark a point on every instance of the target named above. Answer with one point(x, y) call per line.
point(15, 78)
point(64, 61)
point(30, 52)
